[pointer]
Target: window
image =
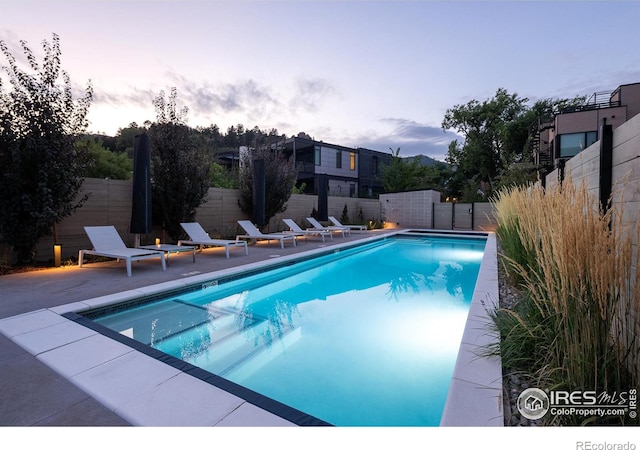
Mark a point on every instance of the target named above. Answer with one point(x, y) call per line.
point(352, 161)
point(574, 143)
point(338, 159)
point(316, 155)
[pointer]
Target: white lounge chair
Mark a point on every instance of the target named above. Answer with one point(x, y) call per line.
point(107, 242)
point(200, 238)
point(298, 231)
point(337, 223)
point(253, 233)
point(319, 227)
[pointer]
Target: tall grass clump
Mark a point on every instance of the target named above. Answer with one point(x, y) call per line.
point(508, 203)
point(577, 325)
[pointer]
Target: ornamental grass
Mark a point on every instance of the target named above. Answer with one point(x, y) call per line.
point(577, 323)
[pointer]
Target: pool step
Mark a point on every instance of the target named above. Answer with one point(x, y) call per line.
point(230, 343)
point(192, 339)
point(263, 355)
point(154, 323)
point(247, 346)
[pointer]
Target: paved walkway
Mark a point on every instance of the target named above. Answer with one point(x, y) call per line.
point(34, 395)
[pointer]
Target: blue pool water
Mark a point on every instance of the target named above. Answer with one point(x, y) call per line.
point(367, 336)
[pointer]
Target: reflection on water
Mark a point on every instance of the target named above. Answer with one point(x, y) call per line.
point(401, 284)
point(279, 318)
point(449, 272)
point(453, 277)
point(368, 339)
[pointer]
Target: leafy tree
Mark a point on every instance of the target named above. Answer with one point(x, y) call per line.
point(126, 138)
point(108, 142)
point(211, 139)
point(496, 133)
point(179, 167)
point(436, 177)
point(40, 167)
point(400, 174)
point(104, 163)
point(221, 177)
point(280, 179)
point(231, 139)
point(489, 145)
point(519, 174)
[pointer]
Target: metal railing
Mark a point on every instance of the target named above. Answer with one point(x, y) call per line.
point(306, 167)
point(597, 100)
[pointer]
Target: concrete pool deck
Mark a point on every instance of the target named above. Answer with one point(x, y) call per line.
point(56, 372)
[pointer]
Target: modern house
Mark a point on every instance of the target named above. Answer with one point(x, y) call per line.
point(573, 130)
point(348, 172)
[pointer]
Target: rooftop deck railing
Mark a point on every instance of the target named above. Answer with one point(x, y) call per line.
point(597, 100)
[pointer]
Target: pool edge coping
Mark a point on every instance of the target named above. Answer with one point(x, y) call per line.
point(477, 379)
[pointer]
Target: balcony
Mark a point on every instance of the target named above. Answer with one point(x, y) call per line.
point(305, 167)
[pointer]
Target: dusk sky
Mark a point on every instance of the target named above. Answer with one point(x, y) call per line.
point(368, 74)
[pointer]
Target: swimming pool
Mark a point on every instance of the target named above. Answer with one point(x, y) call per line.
point(368, 335)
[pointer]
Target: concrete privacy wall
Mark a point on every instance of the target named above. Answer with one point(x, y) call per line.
point(409, 209)
point(584, 167)
point(109, 203)
point(484, 217)
point(625, 174)
point(300, 206)
point(423, 209)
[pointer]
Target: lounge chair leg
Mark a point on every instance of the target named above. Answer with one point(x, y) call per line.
point(128, 262)
point(80, 256)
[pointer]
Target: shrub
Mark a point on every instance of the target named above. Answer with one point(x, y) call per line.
point(344, 218)
point(280, 178)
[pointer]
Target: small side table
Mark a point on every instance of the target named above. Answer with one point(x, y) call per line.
point(170, 248)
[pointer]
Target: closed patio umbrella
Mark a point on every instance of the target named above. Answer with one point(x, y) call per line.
point(141, 201)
